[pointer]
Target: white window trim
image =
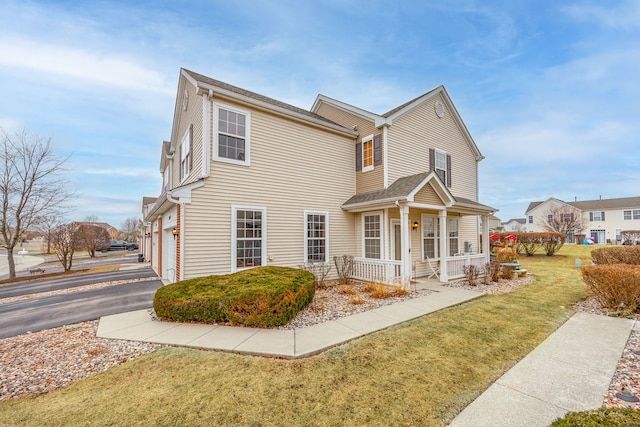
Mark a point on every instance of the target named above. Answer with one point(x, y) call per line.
point(326, 237)
point(247, 140)
point(444, 153)
point(364, 140)
point(449, 231)
point(436, 243)
point(382, 227)
point(234, 235)
point(185, 143)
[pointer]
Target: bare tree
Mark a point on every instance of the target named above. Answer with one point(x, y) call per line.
point(64, 241)
point(131, 229)
point(92, 238)
point(30, 187)
point(563, 219)
point(630, 237)
point(46, 225)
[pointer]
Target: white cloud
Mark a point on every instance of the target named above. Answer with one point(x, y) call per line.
point(96, 67)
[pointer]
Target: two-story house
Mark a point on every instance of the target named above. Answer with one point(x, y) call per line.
point(603, 219)
point(515, 224)
point(249, 181)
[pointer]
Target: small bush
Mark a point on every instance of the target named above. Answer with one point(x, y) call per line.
point(615, 286)
point(491, 272)
point(471, 272)
point(604, 417)
point(320, 271)
point(261, 297)
point(616, 255)
point(344, 267)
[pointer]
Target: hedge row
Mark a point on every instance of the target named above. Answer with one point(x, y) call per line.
point(616, 255)
point(260, 297)
point(529, 243)
point(615, 286)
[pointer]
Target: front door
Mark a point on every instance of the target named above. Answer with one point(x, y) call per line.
point(396, 235)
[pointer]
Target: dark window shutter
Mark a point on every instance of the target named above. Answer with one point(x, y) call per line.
point(359, 156)
point(432, 159)
point(602, 216)
point(590, 216)
point(448, 170)
point(377, 150)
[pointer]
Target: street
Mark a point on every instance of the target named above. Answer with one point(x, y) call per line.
point(47, 312)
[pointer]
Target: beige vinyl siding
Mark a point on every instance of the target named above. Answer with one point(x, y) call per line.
point(410, 137)
point(193, 116)
point(428, 195)
point(365, 181)
point(293, 168)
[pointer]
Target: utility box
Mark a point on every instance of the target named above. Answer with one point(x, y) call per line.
point(467, 247)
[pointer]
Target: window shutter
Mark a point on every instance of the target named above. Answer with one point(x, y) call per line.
point(590, 216)
point(602, 215)
point(448, 170)
point(377, 150)
point(432, 159)
point(359, 156)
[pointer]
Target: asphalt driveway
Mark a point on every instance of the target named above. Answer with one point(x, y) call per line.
point(39, 313)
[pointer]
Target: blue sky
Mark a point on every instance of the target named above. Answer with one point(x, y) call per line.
point(549, 90)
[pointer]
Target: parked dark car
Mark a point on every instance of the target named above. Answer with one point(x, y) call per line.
point(121, 245)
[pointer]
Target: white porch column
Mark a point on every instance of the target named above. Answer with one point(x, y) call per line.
point(405, 267)
point(485, 237)
point(444, 237)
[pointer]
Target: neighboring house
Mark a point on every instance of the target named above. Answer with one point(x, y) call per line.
point(494, 223)
point(604, 219)
point(250, 181)
point(515, 224)
point(113, 232)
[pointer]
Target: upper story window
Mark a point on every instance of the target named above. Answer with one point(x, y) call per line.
point(185, 153)
point(369, 153)
point(596, 216)
point(232, 135)
point(632, 214)
point(166, 179)
point(530, 219)
point(440, 163)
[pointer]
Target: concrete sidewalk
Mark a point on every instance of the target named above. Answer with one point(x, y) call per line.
point(569, 372)
point(22, 262)
point(291, 344)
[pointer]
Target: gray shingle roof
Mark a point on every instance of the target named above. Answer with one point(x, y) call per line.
point(256, 96)
point(397, 191)
point(589, 205)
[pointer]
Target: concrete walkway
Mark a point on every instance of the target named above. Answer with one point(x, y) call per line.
point(291, 344)
point(569, 372)
point(22, 262)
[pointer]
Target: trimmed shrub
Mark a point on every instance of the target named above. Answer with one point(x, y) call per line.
point(615, 286)
point(529, 243)
point(261, 297)
point(616, 255)
point(603, 417)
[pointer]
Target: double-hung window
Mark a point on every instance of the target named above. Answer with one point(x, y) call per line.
point(316, 241)
point(185, 153)
point(631, 214)
point(596, 216)
point(452, 229)
point(232, 135)
point(430, 237)
point(372, 235)
point(441, 165)
point(367, 154)
point(249, 225)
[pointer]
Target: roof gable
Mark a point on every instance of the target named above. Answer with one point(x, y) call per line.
point(387, 118)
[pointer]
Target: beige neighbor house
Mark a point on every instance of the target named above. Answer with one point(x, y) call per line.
point(604, 219)
point(515, 224)
point(249, 181)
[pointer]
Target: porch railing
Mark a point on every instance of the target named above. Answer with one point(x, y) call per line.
point(455, 264)
point(377, 270)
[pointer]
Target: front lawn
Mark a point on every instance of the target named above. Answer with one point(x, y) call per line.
point(421, 373)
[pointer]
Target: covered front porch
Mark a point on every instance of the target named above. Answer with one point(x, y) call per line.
point(416, 229)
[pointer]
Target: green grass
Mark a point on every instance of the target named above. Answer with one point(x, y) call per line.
point(606, 417)
point(421, 373)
